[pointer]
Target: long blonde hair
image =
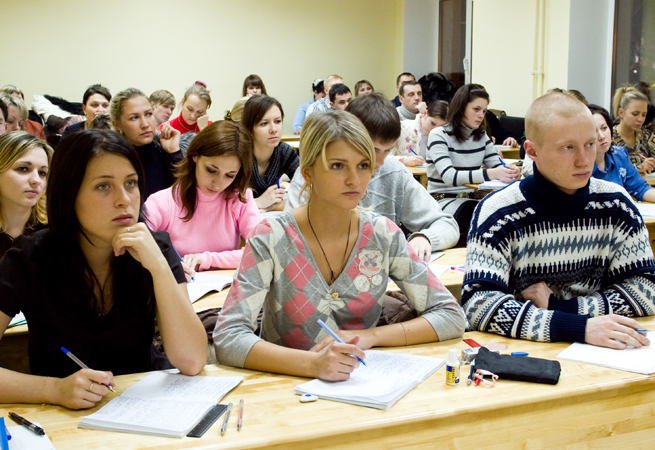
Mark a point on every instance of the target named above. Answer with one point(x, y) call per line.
point(321, 129)
point(623, 96)
point(14, 145)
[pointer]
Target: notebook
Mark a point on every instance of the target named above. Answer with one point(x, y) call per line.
point(493, 184)
point(24, 439)
point(204, 283)
point(639, 360)
point(646, 209)
point(385, 379)
point(162, 404)
point(18, 319)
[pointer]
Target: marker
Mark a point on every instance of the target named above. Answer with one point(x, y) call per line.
point(336, 337)
point(240, 422)
point(457, 269)
point(412, 150)
point(83, 366)
point(227, 416)
point(277, 181)
point(520, 354)
point(27, 424)
point(178, 255)
point(502, 162)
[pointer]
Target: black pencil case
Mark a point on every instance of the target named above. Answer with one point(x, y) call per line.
point(522, 368)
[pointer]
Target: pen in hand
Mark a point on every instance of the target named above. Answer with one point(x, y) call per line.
point(502, 162)
point(82, 365)
point(336, 338)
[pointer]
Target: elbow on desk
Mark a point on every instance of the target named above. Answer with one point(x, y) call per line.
point(190, 365)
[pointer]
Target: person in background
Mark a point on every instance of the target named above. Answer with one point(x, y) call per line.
point(236, 113)
point(323, 104)
point(411, 149)
point(613, 163)
point(630, 108)
point(363, 87)
point(96, 282)
point(24, 162)
point(4, 112)
point(163, 104)
point(411, 100)
point(334, 267)
point(193, 116)
point(96, 100)
point(33, 123)
point(319, 93)
point(133, 117)
point(340, 96)
point(209, 208)
point(17, 114)
point(262, 117)
point(402, 78)
point(644, 88)
point(253, 85)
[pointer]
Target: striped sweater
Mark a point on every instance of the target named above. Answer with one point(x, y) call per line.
point(452, 163)
point(591, 248)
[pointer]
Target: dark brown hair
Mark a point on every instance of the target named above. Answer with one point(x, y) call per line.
point(222, 138)
point(253, 81)
point(256, 107)
point(465, 95)
point(378, 115)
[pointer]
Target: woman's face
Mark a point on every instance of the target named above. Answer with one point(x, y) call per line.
point(193, 108)
point(634, 115)
point(23, 184)
point(109, 197)
point(344, 181)
point(14, 120)
point(95, 104)
point(429, 123)
point(603, 134)
point(268, 131)
point(365, 89)
point(253, 90)
point(214, 174)
point(474, 114)
point(137, 121)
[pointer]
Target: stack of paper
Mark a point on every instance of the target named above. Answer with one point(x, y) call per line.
point(385, 379)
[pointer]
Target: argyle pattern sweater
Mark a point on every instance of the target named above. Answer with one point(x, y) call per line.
point(279, 273)
point(590, 248)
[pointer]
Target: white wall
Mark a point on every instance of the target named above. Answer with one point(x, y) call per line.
point(421, 37)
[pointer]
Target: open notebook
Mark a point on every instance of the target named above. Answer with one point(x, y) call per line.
point(162, 404)
point(204, 283)
point(640, 360)
point(385, 379)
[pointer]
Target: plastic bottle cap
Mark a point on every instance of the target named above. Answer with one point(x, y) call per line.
point(452, 357)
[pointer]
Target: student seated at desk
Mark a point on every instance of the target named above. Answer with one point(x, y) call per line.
point(613, 163)
point(24, 161)
point(328, 260)
point(363, 87)
point(193, 110)
point(412, 147)
point(393, 191)
point(272, 158)
point(340, 96)
point(253, 85)
point(559, 256)
point(163, 104)
point(95, 101)
point(95, 282)
point(630, 107)
point(411, 100)
point(319, 93)
point(210, 206)
point(323, 104)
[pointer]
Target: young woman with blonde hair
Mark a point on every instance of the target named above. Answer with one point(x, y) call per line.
point(328, 260)
point(24, 162)
point(193, 115)
point(630, 108)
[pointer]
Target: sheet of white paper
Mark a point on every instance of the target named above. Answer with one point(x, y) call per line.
point(436, 255)
point(24, 439)
point(502, 147)
point(493, 184)
point(174, 387)
point(18, 319)
point(206, 282)
point(646, 209)
point(439, 269)
point(640, 360)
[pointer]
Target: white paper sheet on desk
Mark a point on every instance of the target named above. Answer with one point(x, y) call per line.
point(504, 147)
point(493, 184)
point(436, 255)
point(18, 319)
point(24, 439)
point(205, 283)
point(649, 176)
point(639, 360)
point(646, 209)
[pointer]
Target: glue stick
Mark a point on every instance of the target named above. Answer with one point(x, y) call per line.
point(452, 368)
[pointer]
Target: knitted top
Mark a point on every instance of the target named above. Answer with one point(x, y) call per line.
point(591, 248)
point(284, 160)
point(644, 144)
point(452, 163)
point(278, 273)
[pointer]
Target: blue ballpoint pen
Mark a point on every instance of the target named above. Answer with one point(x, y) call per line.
point(277, 180)
point(82, 365)
point(502, 162)
point(181, 259)
point(412, 150)
point(337, 338)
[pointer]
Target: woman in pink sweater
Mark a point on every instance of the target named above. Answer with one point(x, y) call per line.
point(209, 207)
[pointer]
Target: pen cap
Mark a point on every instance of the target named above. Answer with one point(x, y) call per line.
point(452, 357)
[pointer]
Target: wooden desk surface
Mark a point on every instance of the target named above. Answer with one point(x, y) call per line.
point(422, 173)
point(591, 407)
point(290, 137)
point(512, 153)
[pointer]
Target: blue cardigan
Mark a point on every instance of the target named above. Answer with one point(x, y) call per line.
point(620, 170)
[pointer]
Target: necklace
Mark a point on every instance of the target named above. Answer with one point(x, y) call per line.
point(345, 253)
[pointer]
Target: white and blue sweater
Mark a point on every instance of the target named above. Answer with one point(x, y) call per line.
point(590, 248)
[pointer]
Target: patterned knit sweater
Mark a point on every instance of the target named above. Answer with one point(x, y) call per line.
point(590, 248)
point(279, 273)
point(452, 163)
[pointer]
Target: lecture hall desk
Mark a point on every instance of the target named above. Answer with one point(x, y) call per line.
point(590, 407)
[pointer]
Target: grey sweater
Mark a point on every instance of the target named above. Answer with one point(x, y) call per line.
point(394, 193)
point(405, 114)
point(452, 163)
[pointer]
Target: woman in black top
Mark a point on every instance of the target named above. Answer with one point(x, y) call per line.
point(95, 101)
point(95, 281)
point(24, 161)
point(262, 117)
point(132, 116)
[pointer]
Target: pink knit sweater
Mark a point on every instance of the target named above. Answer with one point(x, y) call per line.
point(214, 229)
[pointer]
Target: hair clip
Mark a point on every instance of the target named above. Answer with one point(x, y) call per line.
point(201, 83)
point(480, 376)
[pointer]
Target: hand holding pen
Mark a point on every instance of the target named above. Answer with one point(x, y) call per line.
point(336, 360)
point(81, 390)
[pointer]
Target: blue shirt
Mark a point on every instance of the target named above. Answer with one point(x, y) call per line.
point(300, 115)
point(620, 170)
